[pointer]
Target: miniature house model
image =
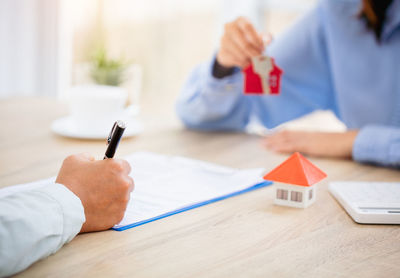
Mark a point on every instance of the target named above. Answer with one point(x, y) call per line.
point(295, 181)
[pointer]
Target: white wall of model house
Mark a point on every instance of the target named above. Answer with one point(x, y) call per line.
point(294, 195)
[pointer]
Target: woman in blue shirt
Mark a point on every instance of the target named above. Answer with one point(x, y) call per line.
point(344, 56)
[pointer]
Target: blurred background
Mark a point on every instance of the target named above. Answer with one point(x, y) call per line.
point(45, 42)
point(47, 46)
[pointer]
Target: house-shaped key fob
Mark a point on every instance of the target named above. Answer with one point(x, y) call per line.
point(260, 82)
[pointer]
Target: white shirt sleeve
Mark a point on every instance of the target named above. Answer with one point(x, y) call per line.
point(35, 224)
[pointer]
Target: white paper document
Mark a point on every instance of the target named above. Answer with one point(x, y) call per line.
point(165, 184)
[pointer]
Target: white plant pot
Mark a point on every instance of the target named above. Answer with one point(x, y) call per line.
point(132, 84)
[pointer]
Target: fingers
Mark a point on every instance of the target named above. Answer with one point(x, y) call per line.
point(235, 55)
point(126, 185)
point(126, 166)
point(239, 43)
point(121, 165)
point(327, 144)
point(286, 142)
point(79, 157)
point(282, 147)
point(86, 156)
point(246, 44)
point(131, 183)
point(250, 34)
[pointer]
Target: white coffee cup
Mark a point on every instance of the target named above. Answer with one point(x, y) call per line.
point(95, 108)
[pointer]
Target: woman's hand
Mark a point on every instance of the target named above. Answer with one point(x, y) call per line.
point(239, 43)
point(327, 144)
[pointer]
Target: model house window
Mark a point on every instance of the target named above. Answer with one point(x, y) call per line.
point(282, 194)
point(296, 196)
point(310, 194)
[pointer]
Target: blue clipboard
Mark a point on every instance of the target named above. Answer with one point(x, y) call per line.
point(251, 188)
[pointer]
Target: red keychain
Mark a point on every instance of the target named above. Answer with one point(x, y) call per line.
point(262, 77)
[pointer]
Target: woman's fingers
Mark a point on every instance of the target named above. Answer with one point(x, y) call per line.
point(247, 45)
point(234, 53)
point(239, 43)
point(250, 34)
point(281, 142)
point(328, 144)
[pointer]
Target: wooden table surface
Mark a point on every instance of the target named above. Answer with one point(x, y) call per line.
point(245, 236)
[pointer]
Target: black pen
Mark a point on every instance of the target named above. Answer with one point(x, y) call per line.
point(113, 138)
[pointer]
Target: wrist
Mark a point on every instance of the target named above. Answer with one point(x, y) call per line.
point(220, 71)
point(350, 138)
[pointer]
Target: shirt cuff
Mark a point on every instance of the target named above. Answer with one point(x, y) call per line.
point(71, 207)
point(219, 95)
point(219, 71)
point(225, 85)
point(374, 144)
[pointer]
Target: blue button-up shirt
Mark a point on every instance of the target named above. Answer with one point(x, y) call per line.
point(331, 61)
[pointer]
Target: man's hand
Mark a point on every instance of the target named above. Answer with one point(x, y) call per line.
point(239, 43)
point(327, 144)
point(103, 186)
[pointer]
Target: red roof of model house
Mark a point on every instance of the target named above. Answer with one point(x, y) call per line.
point(296, 170)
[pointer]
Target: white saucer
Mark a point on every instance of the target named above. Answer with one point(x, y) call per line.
point(65, 127)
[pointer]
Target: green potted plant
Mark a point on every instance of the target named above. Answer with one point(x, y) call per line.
point(107, 71)
point(117, 72)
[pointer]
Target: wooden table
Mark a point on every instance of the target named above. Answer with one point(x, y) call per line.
point(245, 236)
